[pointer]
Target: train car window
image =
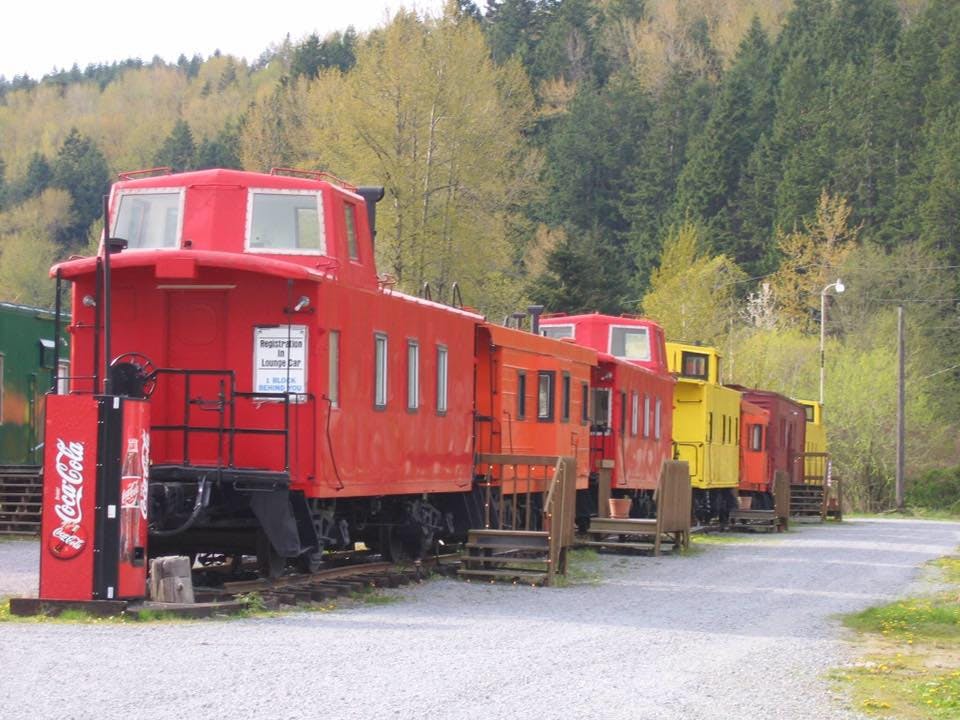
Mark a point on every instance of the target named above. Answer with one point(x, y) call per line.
point(632, 343)
point(380, 368)
point(623, 412)
point(634, 413)
point(558, 332)
point(584, 403)
point(285, 222)
point(149, 219)
point(545, 392)
point(646, 415)
point(521, 395)
point(694, 365)
point(46, 352)
point(350, 219)
point(442, 379)
point(333, 369)
point(545, 381)
point(602, 412)
point(808, 411)
point(756, 437)
point(63, 378)
point(656, 421)
point(565, 398)
point(723, 431)
point(709, 427)
point(413, 375)
point(1, 388)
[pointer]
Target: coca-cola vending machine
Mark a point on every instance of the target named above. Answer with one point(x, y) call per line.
point(94, 526)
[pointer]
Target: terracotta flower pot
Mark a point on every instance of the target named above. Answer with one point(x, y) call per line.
point(620, 507)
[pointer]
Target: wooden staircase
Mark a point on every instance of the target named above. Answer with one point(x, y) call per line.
point(806, 502)
point(21, 499)
point(518, 555)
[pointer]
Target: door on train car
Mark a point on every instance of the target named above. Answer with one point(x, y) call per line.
point(197, 334)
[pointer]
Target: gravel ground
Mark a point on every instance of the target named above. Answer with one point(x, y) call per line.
point(738, 630)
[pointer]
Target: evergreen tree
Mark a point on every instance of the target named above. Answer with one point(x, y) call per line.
point(178, 150)
point(718, 157)
point(81, 169)
point(35, 180)
point(223, 151)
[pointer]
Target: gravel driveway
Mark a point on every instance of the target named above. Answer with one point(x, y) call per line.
point(737, 630)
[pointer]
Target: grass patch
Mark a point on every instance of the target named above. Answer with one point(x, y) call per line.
point(718, 539)
point(937, 616)
point(582, 568)
point(911, 665)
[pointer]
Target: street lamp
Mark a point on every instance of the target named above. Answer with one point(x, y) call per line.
point(838, 286)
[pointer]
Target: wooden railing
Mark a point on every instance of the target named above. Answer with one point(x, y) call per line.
point(529, 493)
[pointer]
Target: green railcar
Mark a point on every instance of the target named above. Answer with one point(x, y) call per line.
point(27, 373)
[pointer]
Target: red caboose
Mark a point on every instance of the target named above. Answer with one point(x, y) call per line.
point(632, 415)
point(297, 401)
point(783, 441)
point(755, 463)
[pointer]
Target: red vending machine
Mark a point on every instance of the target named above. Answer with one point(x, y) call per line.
point(94, 527)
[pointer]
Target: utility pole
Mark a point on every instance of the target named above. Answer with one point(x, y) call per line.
point(900, 409)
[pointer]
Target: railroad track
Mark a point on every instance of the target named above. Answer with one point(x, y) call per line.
point(328, 583)
point(21, 495)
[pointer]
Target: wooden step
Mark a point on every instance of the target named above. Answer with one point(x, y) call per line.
point(664, 545)
point(508, 539)
point(531, 576)
point(617, 526)
point(503, 559)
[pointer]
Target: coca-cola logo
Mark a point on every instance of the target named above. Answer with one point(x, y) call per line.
point(67, 541)
point(69, 464)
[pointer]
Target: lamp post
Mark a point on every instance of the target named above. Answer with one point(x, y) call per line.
point(838, 286)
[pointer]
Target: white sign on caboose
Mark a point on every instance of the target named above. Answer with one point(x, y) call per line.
point(280, 359)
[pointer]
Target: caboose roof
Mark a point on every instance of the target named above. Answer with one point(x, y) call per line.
point(219, 176)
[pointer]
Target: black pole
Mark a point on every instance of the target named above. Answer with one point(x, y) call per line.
point(98, 303)
point(107, 385)
point(55, 372)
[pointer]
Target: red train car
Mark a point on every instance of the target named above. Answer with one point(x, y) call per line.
point(784, 440)
point(532, 395)
point(632, 399)
point(755, 462)
point(295, 397)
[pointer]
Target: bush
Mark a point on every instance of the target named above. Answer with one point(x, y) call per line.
point(935, 490)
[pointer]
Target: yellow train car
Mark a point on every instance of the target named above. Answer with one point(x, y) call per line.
point(706, 428)
point(816, 463)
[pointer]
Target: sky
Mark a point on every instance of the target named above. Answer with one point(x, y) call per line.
point(37, 36)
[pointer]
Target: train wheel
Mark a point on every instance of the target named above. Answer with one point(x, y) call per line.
point(269, 562)
point(311, 561)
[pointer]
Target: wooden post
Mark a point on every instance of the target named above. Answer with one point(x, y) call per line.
point(604, 478)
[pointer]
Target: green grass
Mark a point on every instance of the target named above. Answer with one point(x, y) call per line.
point(915, 618)
point(582, 568)
point(719, 538)
point(911, 668)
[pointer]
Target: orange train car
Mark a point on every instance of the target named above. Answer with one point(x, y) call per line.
point(755, 472)
point(783, 441)
point(532, 396)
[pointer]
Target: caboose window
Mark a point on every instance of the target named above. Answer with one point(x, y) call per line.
point(521, 395)
point(63, 377)
point(558, 332)
point(545, 395)
point(694, 365)
point(333, 371)
point(808, 411)
point(632, 343)
point(646, 415)
point(350, 219)
point(756, 437)
point(442, 379)
point(285, 222)
point(380, 365)
point(149, 219)
point(413, 375)
point(565, 398)
point(634, 413)
point(584, 403)
point(602, 412)
point(656, 421)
